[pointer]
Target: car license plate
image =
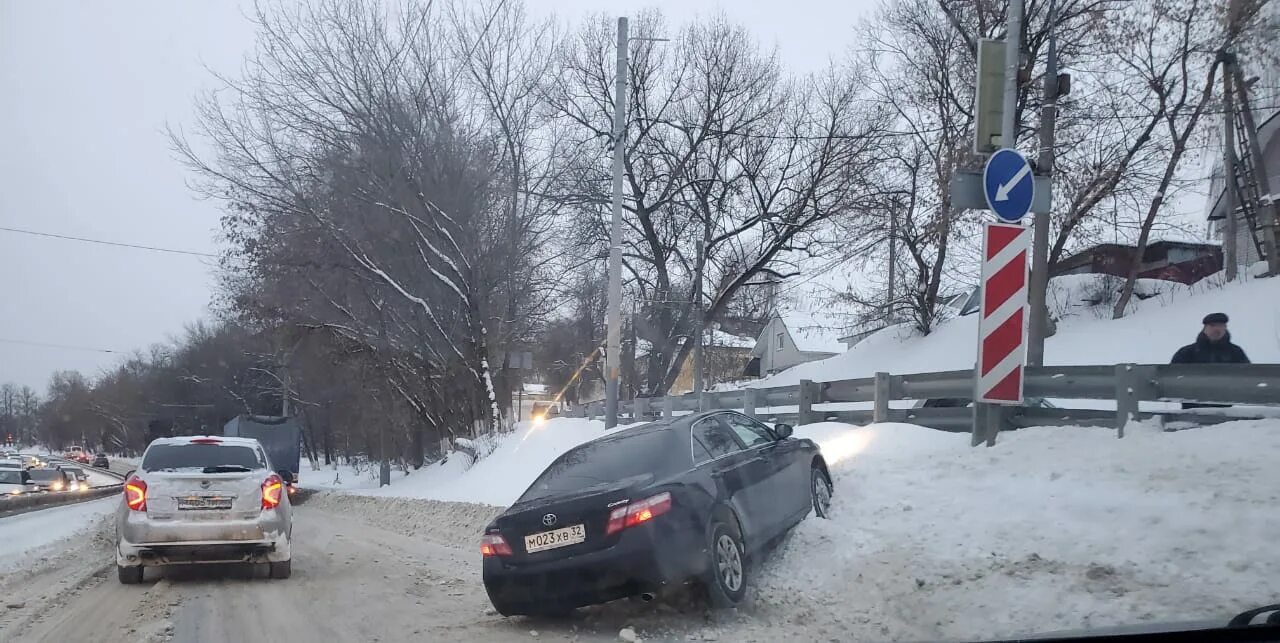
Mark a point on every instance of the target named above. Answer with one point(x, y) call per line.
point(197, 503)
point(555, 538)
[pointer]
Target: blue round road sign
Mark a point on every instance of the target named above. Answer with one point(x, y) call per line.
point(1008, 184)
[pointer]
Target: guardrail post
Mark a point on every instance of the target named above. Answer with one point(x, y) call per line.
point(987, 420)
point(881, 409)
point(706, 401)
point(642, 408)
point(668, 407)
point(749, 402)
point(807, 398)
point(1127, 396)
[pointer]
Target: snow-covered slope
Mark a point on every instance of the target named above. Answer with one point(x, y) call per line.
point(1086, 335)
point(1053, 528)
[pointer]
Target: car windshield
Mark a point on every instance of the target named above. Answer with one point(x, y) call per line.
point(9, 476)
point(46, 475)
point(601, 462)
point(229, 457)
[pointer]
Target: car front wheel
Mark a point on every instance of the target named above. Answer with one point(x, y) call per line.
point(727, 577)
point(820, 491)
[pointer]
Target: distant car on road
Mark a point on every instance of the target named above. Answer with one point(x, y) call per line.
point(15, 482)
point(49, 479)
point(100, 461)
point(77, 479)
point(203, 500)
point(690, 499)
point(77, 454)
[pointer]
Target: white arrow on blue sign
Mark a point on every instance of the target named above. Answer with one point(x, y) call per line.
point(1008, 184)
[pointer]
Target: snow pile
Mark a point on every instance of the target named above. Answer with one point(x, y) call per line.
point(29, 534)
point(1095, 296)
point(1161, 324)
point(1053, 528)
point(497, 479)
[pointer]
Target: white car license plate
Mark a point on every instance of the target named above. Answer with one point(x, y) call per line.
point(555, 538)
point(197, 503)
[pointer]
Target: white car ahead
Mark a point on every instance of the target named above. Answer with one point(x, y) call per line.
point(203, 500)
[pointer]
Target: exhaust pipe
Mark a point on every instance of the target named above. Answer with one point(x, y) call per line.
point(646, 597)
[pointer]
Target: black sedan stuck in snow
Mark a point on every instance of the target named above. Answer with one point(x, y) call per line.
point(689, 499)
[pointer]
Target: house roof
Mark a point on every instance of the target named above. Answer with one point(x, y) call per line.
point(814, 332)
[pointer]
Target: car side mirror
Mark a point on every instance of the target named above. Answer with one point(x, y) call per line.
point(285, 475)
point(129, 474)
point(784, 431)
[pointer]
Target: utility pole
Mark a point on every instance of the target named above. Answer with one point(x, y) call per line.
point(1229, 256)
point(1039, 313)
point(1012, 62)
point(893, 261)
point(698, 320)
point(613, 339)
point(1269, 210)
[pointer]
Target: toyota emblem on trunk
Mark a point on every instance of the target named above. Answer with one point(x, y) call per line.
point(549, 519)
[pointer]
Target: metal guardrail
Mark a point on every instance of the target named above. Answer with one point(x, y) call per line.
point(1125, 384)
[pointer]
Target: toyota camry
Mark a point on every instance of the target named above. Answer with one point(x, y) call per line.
point(666, 503)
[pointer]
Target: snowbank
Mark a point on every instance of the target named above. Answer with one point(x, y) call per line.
point(497, 479)
point(1161, 324)
point(1053, 528)
point(25, 535)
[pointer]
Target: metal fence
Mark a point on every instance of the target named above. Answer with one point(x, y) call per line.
point(942, 400)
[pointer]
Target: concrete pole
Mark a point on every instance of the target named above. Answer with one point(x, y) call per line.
point(698, 323)
point(1229, 254)
point(613, 345)
point(1013, 60)
point(1038, 325)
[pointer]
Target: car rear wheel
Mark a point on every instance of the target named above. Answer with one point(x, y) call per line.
point(820, 490)
point(726, 580)
point(282, 569)
point(129, 575)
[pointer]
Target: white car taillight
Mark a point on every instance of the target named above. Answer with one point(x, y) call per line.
point(135, 494)
point(272, 488)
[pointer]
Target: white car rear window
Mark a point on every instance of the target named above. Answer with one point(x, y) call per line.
point(200, 456)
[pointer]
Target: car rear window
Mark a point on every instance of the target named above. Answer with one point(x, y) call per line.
point(604, 461)
point(198, 456)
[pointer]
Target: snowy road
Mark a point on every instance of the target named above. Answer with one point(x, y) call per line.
point(414, 577)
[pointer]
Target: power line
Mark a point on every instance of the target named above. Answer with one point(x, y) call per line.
point(25, 342)
point(110, 243)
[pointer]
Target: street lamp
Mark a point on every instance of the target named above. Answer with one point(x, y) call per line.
point(613, 340)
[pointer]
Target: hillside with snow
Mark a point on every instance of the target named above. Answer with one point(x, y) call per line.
point(1086, 334)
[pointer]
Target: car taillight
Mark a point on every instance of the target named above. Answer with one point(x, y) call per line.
point(272, 487)
point(135, 494)
point(494, 545)
point(206, 441)
point(638, 512)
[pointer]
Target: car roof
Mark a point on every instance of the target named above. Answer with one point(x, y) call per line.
point(190, 439)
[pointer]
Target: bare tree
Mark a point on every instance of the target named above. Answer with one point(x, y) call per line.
point(724, 151)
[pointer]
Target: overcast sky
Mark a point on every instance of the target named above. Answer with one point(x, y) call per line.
point(88, 87)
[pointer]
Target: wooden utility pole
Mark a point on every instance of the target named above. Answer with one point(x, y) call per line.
point(1229, 235)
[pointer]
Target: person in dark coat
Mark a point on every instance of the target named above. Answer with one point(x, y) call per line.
point(1212, 346)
